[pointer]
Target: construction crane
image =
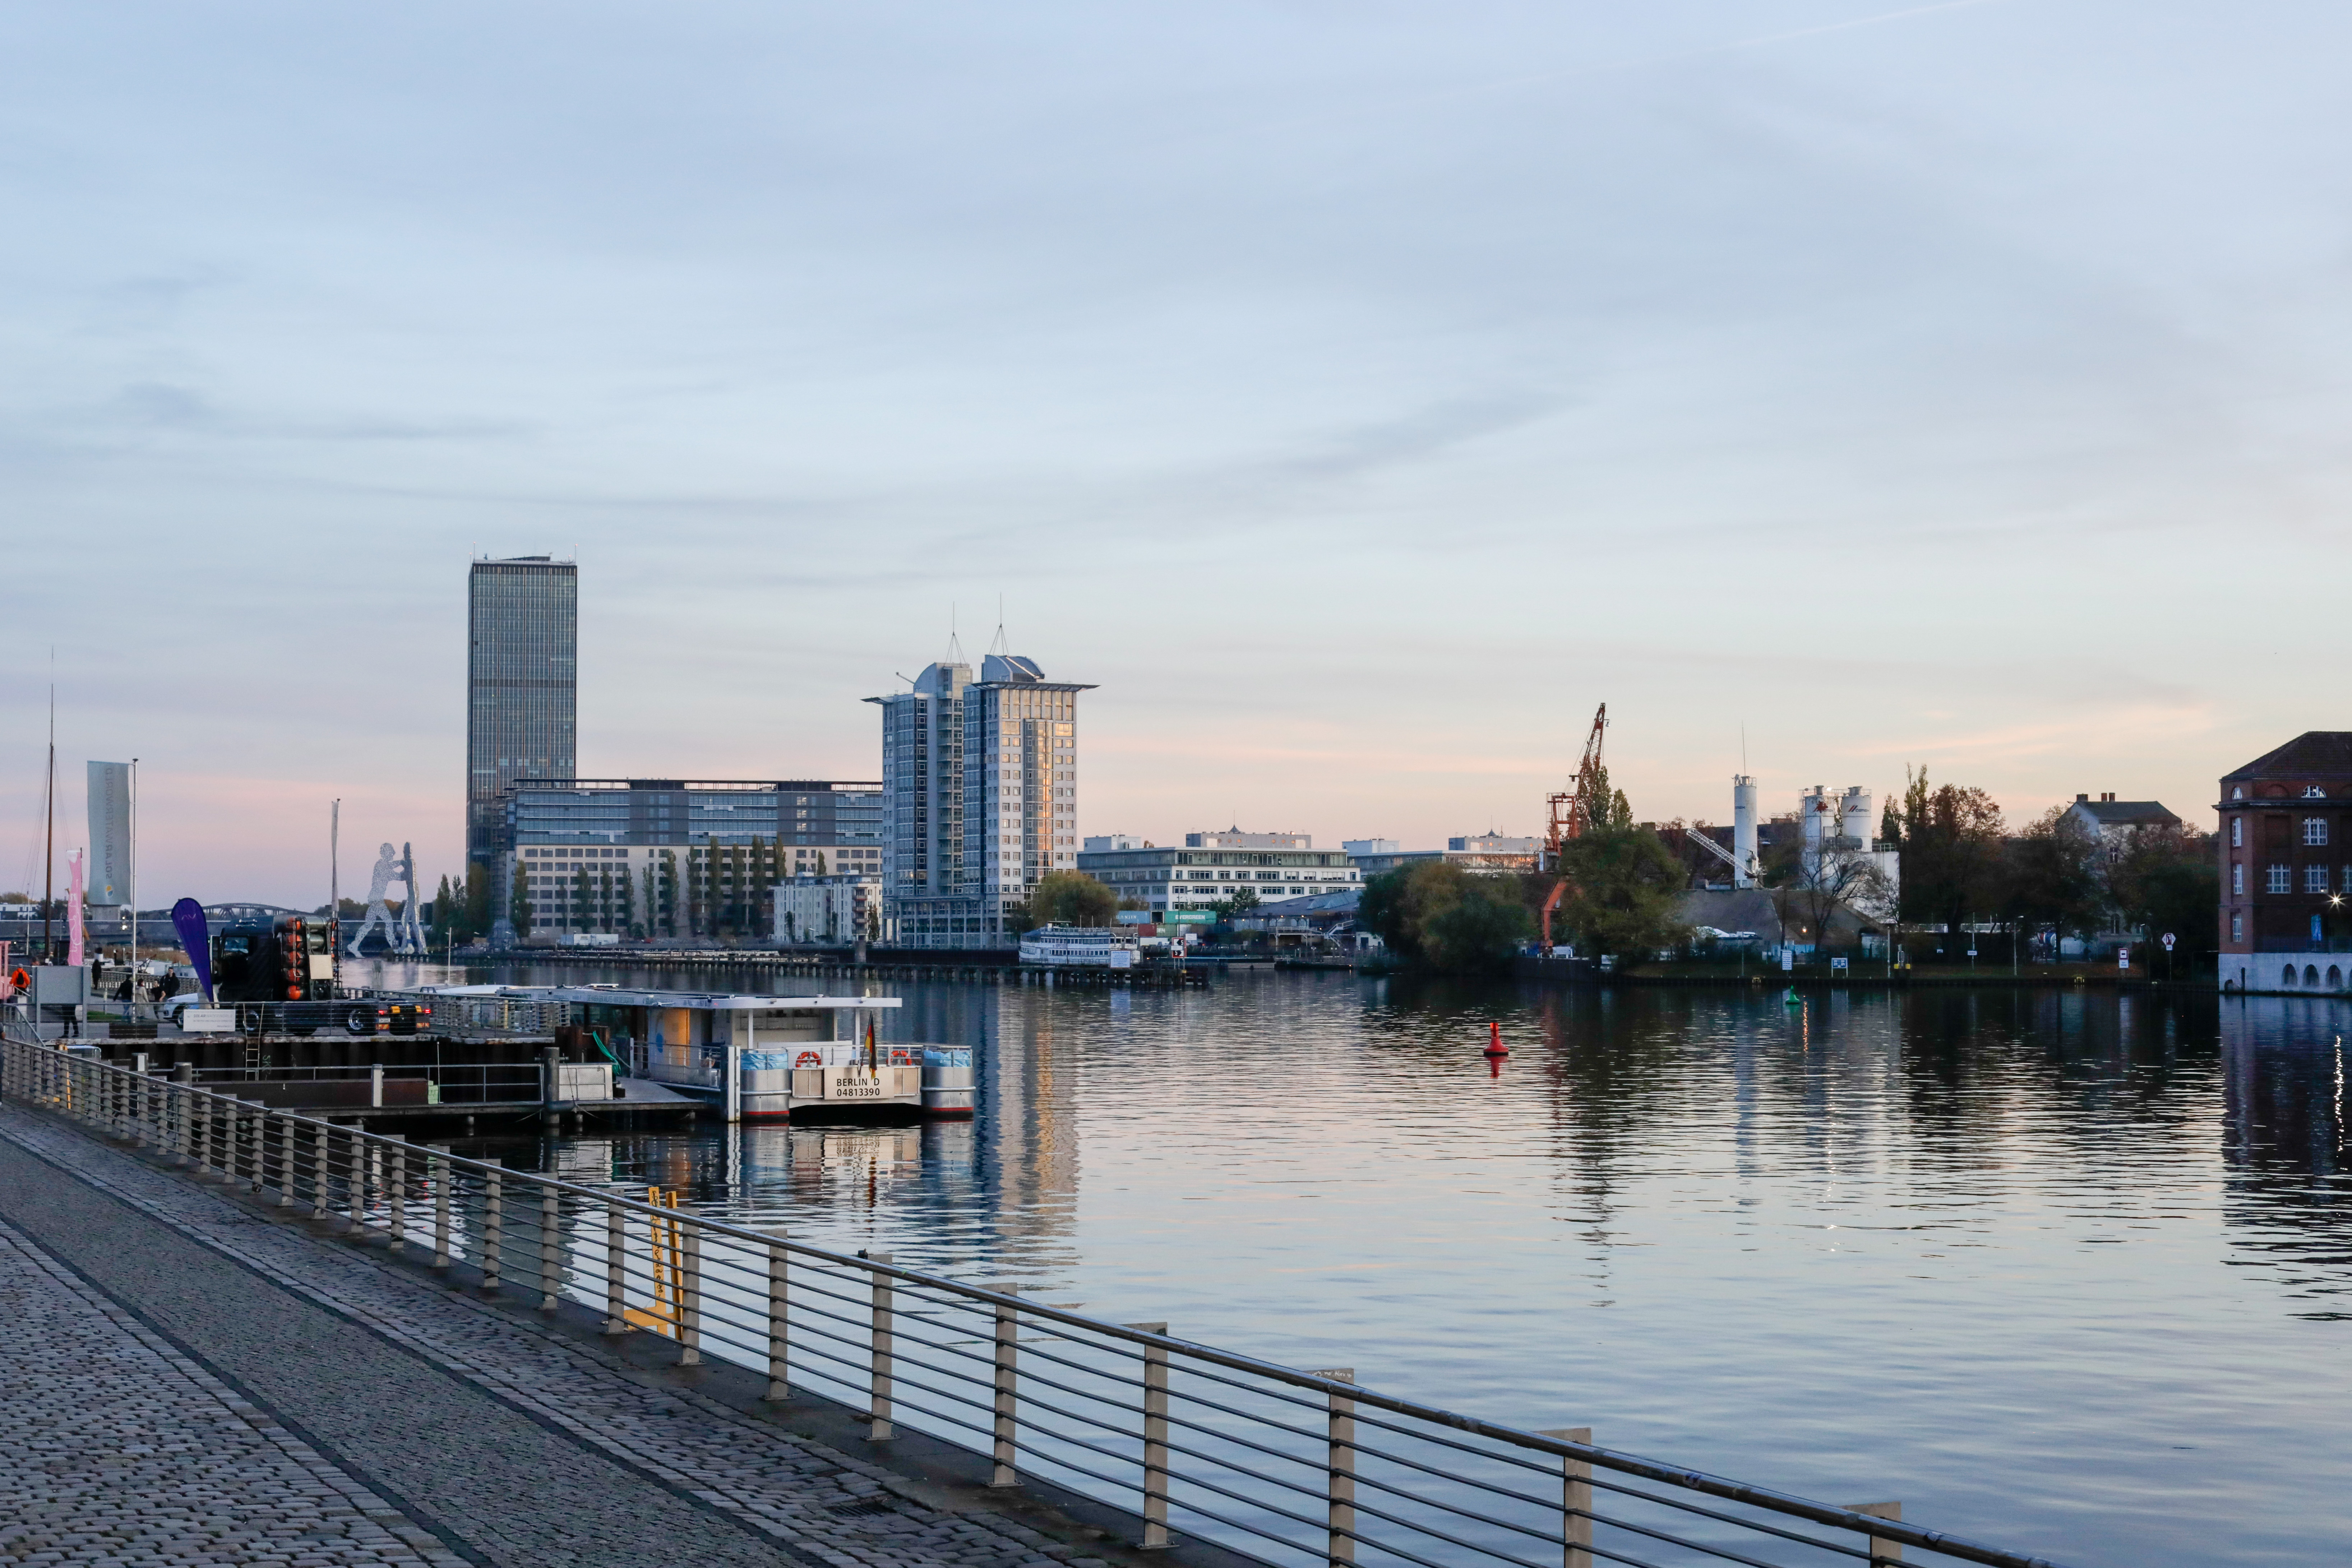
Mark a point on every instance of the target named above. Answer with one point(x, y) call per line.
point(1571, 815)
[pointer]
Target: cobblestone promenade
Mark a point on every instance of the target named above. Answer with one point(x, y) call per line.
point(188, 1383)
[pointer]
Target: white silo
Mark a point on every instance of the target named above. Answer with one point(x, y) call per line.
point(1743, 830)
point(1855, 811)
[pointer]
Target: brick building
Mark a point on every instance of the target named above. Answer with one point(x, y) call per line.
point(2286, 867)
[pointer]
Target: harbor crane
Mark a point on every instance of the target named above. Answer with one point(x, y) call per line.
point(1571, 815)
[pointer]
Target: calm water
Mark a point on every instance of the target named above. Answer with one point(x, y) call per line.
point(2068, 1272)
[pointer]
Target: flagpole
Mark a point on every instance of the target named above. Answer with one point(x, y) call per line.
point(134, 876)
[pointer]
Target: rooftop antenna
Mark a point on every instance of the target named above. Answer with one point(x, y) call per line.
point(999, 645)
point(955, 646)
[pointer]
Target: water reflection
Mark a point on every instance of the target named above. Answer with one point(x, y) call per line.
point(2065, 1270)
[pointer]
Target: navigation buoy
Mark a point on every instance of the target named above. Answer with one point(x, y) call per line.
point(1495, 1050)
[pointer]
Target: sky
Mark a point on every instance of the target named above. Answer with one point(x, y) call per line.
point(1357, 395)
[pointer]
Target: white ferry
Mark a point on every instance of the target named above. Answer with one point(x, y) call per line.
point(1081, 947)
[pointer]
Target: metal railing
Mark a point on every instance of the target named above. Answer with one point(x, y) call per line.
point(1291, 1467)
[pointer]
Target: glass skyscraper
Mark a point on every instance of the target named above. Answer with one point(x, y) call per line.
point(522, 665)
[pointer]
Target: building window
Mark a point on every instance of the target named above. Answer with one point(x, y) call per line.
point(2315, 879)
point(2237, 928)
point(2276, 879)
point(2315, 830)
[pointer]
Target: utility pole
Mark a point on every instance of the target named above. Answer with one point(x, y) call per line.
point(49, 834)
point(134, 876)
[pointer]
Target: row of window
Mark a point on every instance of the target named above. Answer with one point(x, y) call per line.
point(2280, 879)
point(2314, 831)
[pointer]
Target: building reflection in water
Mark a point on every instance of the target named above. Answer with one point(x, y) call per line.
point(2282, 1142)
point(992, 1197)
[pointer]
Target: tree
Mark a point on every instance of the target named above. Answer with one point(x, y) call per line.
point(1234, 905)
point(2054, 874)
point(518, 907)
point(1435, 915)
point(669, 894)
point(2170, 879)
point(1623, 886)
point(1072, 899)
point(1952, 851)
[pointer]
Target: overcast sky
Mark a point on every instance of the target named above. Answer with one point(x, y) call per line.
point(1356, 393)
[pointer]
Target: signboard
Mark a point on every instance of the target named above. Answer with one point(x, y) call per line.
point(1837, 966)
point(1135, 917)
point(1189, 917)
point(2123, 958)
point(1788, 961)
point(2167, 941)
point(208, 1021)
point(110, 834)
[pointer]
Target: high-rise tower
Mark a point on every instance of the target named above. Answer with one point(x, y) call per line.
point(522, 664)
point(980, 798)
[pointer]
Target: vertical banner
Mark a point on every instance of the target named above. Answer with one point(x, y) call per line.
point(73, 914)
point(188, 920)
point(110, 834)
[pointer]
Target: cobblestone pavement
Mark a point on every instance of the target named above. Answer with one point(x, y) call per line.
point(122, 1450)
point(515, 1445)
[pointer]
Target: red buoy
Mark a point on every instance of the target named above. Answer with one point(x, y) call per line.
point(1494, 1047)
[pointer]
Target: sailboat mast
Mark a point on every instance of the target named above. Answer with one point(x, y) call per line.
point(50, 837)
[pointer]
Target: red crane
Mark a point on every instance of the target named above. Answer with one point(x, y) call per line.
point(1571, 815)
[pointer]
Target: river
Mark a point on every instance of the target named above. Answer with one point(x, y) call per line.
point(2064, 1271)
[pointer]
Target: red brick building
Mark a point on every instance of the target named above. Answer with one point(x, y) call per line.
point(2286, 867)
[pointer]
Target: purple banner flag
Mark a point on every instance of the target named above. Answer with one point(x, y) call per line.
point(188, 920)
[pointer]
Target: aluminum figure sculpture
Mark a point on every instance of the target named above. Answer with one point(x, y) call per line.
point(404, 935)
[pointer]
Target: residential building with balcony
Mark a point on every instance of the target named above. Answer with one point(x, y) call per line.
point(679, 857)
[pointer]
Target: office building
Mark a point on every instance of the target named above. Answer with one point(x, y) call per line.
point(677, 857)
point(1202, 873)
point(980, 782)
point(522, 661)
point(1480, 853)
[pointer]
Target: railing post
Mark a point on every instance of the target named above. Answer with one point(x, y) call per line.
point(321, 1143)
point(257, 1128)
point(779, 1319)
point(285, 1161)
point(1880, 1549)
point(183, 1075)
point(1575, 1499)
point(550, 1223)
point(1008, 1352)
point(689, 1293)
point(438, 1169)
point(879, 1381)
point(396, 1191)
point(494, 1223)
point(1155, 1438)
point(1341, 1466)
point(616, 1270)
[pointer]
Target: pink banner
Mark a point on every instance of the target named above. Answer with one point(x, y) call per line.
point(73, 915)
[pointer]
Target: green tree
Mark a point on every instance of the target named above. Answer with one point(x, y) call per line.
point(1434, 915)
point(1623, 885)
point(1235, 905)
point(627, 916)
point(519, 906)
point(583, 891)
point(1071, 897)
point(669, 893)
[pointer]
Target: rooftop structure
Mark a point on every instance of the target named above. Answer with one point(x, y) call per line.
point(1234, 839)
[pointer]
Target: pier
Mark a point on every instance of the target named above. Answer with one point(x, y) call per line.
point(462, 1361)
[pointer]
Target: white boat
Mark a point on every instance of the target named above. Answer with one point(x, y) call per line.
point(1081, 947)
point(768, 1058)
